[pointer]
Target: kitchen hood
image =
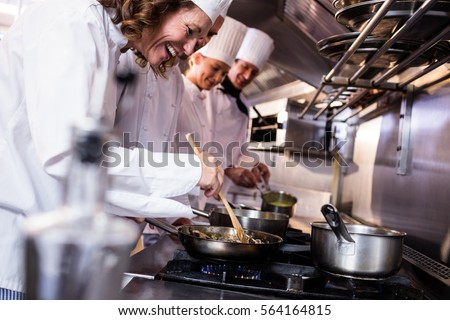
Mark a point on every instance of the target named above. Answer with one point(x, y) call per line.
point(296, 26)
point(310, 42)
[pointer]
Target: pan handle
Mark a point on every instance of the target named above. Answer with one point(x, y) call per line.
point(200, 213)
point(335, 222)
point(162, 224)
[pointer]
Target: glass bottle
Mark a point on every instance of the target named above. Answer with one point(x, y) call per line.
point(86, 181)
point(78, 251)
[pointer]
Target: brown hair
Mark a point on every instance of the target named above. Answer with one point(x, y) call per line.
point(137, 15)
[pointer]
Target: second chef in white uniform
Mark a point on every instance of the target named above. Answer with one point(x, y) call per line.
point(207, 68)
point(229, 112)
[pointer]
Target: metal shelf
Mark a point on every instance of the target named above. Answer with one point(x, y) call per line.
point(380, 82)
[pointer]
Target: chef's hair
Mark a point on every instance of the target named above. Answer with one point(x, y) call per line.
point(136, 15)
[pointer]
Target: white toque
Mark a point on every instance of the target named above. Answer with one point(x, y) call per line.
point(225, 45)
point(213, 8)
point(224, 11)
point(256, 48)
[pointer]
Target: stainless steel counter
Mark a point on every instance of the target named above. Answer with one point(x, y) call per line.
point(143, 289)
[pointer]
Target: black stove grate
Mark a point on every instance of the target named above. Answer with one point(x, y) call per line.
point(433, 268)
point(285, 280)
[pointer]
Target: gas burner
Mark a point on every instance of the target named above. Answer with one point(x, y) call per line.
point(234, 271)
point(295, 236)
point(287, 275)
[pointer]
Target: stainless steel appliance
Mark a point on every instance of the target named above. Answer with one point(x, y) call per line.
point(290, 274)
point(394, 112)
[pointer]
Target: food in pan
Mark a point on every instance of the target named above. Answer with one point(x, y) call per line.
point(281, 203)
point(222, 237)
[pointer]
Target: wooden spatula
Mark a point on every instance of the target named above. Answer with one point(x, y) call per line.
point(236, 224)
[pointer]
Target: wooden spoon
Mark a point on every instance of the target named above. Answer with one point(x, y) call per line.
point(236, 224)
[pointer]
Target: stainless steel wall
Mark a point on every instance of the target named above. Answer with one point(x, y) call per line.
point(418, 203)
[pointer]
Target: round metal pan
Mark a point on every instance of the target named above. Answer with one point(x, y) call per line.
point(355, 250)
point(271, 222)
point(279, 201)
point(219, 250)
point(356, 16)
point(375, 254)
point(335, 47)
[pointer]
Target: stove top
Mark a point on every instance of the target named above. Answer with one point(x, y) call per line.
point(289, 274)
point(285, 280)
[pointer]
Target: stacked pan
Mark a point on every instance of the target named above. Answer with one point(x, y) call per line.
point(356, 14)
point(336, 46)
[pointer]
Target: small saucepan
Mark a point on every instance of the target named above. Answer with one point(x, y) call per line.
point(271, 222)
point(200, 242)
point(279, 201)
point(355, 250)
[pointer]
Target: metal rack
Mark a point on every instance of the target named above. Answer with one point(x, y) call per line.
point(381, 81)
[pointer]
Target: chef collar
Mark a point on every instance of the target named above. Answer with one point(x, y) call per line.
point(227, 87)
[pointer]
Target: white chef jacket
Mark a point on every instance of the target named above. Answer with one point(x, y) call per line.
point(48, 60)
point(229, 126)
point(148, 109)
point(194, 118)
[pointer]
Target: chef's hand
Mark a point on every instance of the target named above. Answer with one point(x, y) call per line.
point(137, 220)
point(261, 171)
point(182, 222)
point(211, 180)
point(241, 176)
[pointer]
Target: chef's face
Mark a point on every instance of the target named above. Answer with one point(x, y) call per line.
point(206, 72)
point(242, 73)
point(212, 32)
point(177, 36)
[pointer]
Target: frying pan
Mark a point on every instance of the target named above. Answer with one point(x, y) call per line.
point(219, 250)
point(271, 222)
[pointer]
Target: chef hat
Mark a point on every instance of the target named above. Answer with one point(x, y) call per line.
point(256, 48)
point(213, 8)
point(224, 11)
point(225, 45)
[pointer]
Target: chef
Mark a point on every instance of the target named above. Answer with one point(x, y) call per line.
point(207, 68)
point(229, 113)
point(49, 60)
point(148, 107)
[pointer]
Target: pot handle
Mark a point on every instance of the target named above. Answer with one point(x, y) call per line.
point(162, 225)
point(246, 207)
point(335, 222)
point(200, 213)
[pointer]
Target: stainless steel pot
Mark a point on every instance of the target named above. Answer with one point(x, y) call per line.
point(222, 251)
point(354, 250)
point(279, 201)
point(274, 223)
